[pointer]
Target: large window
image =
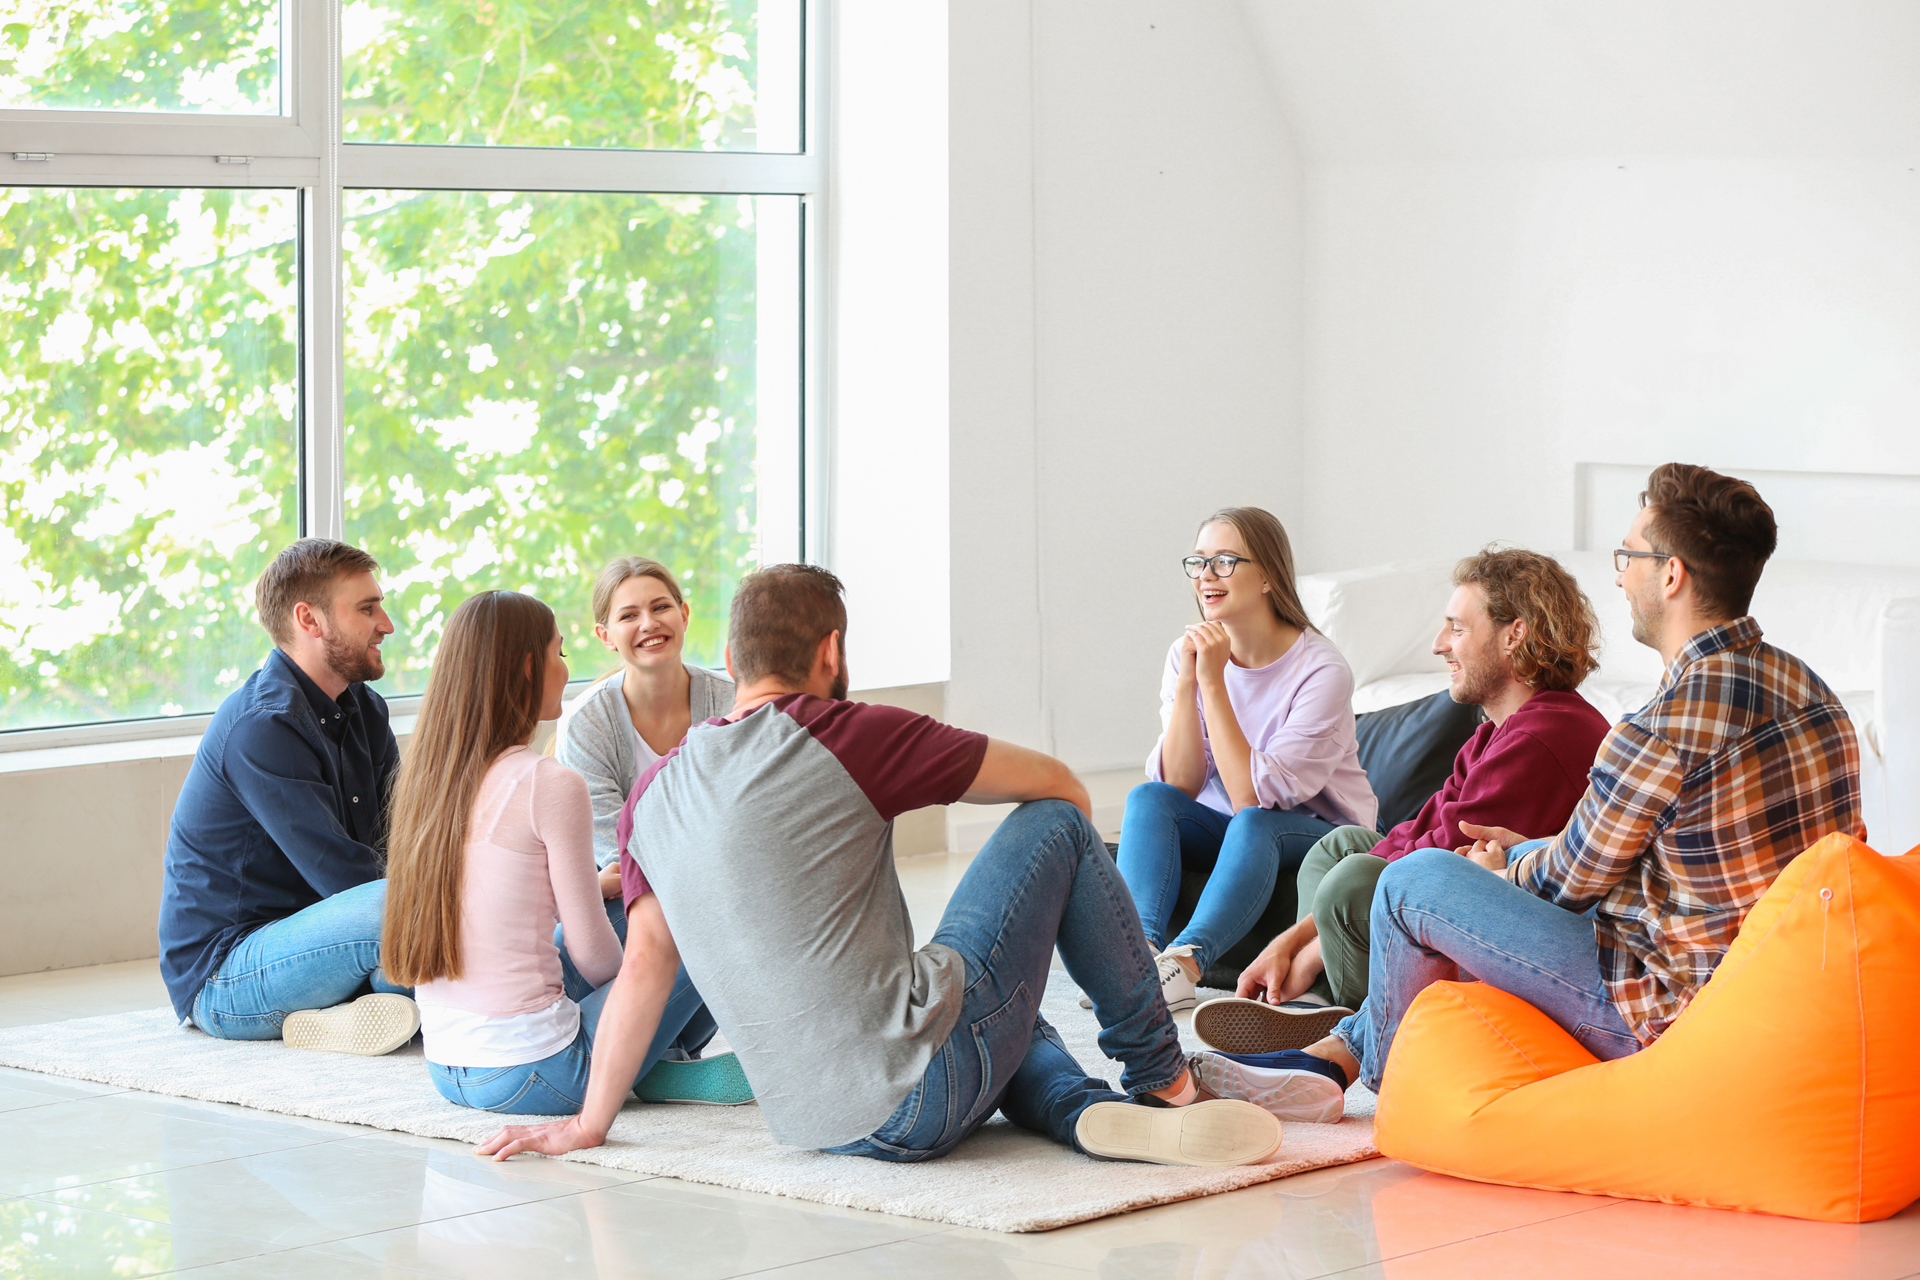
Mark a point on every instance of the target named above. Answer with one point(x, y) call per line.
point(496, 292)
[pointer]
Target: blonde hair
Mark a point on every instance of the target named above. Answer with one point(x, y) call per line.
point(482, 699)
point(617, 572)
point(1267, 546)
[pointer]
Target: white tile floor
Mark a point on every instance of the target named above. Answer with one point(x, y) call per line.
point(103, 1182)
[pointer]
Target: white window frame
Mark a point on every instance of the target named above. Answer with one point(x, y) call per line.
point(304, 150)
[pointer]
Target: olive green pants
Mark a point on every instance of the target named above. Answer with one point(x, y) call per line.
point(1336, 887)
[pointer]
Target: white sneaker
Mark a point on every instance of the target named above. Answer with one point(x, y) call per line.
point(1305, 1096)
point(1175, 986)
point(371, 1025)
point(1213, 1133)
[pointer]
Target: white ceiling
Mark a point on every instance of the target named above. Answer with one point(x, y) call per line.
point(1369, 80)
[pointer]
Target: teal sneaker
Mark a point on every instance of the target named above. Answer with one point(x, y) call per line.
point(717, 1082)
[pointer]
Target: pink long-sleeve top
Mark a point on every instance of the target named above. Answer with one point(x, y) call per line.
point(1297, 715)
point(529, 862)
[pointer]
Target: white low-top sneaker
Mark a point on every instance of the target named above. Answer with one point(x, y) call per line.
point(1176, 984)
point(372, 1025)
point(1304, 1096)
point(1216, 1132)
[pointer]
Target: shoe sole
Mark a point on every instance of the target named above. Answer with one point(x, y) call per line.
point(1305, 1097)
point(369, 1026)
point(1236, 1025)
point(718, 1081)
point(1217, 1132)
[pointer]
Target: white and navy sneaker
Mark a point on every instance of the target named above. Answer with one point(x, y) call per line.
point(1290, 1086)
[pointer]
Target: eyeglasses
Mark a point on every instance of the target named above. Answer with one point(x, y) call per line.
point(1621, 556)
point(1223, 565)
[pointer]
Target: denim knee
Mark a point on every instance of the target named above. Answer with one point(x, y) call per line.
point(1156, 798)
point(1422, 874)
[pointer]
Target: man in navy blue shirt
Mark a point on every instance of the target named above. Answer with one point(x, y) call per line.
point(274, 888)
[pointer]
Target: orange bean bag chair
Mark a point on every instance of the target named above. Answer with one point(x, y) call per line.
point(1790, 1085)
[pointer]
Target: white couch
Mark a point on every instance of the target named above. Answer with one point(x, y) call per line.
point(1856, 625)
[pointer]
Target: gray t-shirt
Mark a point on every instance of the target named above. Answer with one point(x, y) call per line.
point(770, 843)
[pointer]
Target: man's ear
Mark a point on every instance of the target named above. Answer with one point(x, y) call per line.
point(1676, 578)
point(1516, 632)
point(828, 654)
point(726, 660)
point(306, 621)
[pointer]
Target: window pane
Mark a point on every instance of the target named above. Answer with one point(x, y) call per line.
point(671, 75)
point(538, 383)
point(214, 56)
point(147, 445)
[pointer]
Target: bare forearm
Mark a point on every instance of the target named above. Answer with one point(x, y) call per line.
point(1183, 760)
point(628, 1021)
point(1232, 754)
point(1017, 773)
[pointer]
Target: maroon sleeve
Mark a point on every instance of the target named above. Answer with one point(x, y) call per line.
point(1428, 828)
point(1520, 783)
point(900, 760)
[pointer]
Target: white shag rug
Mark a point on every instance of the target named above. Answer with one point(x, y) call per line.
point(1001, 1178)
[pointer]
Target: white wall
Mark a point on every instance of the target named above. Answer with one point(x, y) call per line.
point(888, 305)
point(1540, 233)
point(1124, 345)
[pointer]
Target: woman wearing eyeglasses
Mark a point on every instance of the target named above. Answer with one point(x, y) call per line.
point(1256, 759)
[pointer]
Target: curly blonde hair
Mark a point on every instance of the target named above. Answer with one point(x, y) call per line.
point(1557, 651)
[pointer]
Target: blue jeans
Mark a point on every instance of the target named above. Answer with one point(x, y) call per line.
point(1439, 917)
point(1166, 830)
point(700, 1026)
point(1043, 879)
point(557, 1085)
point(316, 958)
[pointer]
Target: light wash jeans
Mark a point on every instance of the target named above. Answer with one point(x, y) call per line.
point(316, 958)
point(1165, 830)
point(1044, 878)
point(1439, 917)
point(557, 1085)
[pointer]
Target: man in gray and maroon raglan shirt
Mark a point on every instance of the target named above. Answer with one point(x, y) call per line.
point(769, 842)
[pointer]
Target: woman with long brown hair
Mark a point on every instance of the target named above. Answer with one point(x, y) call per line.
point(1257, 758)
point(489, 844)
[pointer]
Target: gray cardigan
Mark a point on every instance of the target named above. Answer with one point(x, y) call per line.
point(596, 741)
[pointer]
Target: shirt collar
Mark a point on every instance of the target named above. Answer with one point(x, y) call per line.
point(327, 709)
point(1738, 634)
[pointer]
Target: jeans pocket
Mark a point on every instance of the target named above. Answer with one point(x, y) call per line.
point(539, 1097)
point(1002, 1040)
point(1604, 1044)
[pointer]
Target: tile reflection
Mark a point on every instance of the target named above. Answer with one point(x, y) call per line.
point(41, 1238)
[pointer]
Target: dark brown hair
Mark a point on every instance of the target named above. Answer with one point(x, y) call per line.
point(306, 572)
point(1717, 526)
point(780, 615)
point(1267, 546)
point(1557, 651)
point(482, 698)
point(618, 571)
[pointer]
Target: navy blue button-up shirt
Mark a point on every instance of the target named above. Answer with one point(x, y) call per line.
point(284, 806)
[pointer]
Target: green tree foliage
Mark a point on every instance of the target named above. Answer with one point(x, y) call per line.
point(535, 382)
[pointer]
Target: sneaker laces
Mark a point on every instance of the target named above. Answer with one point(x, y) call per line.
point(1169, 965)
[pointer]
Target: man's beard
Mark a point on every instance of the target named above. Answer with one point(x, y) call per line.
point(355, 665)
point(839, 691)
point(1647, 615)
point(1477, 684)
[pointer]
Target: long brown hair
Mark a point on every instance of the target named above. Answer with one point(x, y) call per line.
point(1268, 548)
point(482, 699)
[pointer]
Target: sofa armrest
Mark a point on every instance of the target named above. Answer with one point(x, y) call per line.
point(1898, 716)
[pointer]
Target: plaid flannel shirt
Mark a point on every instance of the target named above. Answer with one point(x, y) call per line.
point(1743, 758)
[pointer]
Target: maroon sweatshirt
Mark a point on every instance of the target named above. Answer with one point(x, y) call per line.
point(1525, 774)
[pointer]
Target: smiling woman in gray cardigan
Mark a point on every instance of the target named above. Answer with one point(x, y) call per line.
point(638, 714)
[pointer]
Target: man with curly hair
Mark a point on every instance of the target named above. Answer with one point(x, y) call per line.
point(1741, 760)
point(1518, 638)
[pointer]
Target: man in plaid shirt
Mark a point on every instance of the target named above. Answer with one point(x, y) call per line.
point(1743, 759)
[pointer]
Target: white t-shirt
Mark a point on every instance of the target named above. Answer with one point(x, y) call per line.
point(643, 755)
